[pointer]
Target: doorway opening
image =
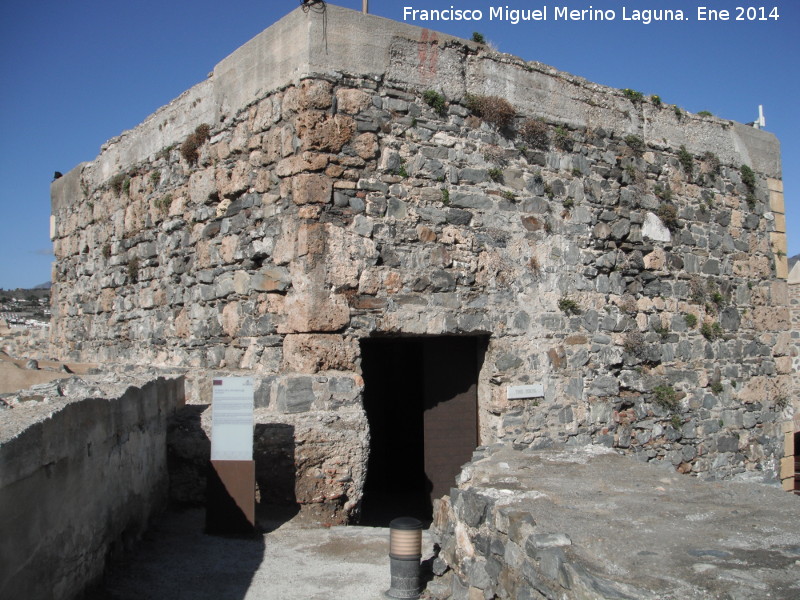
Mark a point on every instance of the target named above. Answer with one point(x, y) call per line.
point(421, 400)
point(797, 463)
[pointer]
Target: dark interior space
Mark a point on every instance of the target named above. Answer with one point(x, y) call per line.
point(276, 474)
point(797, 463)
point(421, 401)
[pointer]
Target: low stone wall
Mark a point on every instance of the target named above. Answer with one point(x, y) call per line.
point(30, 343)
point(79, 480)
point(593, 524)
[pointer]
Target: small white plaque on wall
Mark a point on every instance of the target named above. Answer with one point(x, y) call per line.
point(515, 392)
point(232, 418)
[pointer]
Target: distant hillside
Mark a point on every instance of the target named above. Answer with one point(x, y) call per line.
point(22, 293)
point(792, 260)
point(43, 286)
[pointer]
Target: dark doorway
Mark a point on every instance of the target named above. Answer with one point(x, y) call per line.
point(421, 400)
point(797, 463)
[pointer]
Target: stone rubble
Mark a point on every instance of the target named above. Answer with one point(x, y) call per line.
point(587, 524)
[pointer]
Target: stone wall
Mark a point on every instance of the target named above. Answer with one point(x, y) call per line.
point(79, 480)
point(25, 342)
point(615, 249)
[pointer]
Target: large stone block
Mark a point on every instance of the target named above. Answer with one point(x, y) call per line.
point(312, 188)
point(271, 279)
point(310, 313)
point(320, 132)
point(311, 353)
point(295, 394)
point(352, 101)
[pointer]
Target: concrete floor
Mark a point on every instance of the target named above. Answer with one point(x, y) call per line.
point(294, 562)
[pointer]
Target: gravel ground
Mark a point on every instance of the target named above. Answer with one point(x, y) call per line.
point(176, 560)
point(14, 376)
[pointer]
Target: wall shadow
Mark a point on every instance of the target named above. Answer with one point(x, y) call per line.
point(188, 453)
point(276, 475)
point(175, 560)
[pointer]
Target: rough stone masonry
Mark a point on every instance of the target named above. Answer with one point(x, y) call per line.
point(328, 184)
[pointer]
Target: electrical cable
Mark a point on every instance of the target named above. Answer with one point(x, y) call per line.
point(319, 7)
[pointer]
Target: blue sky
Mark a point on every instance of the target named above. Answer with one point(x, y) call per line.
point(77, 74)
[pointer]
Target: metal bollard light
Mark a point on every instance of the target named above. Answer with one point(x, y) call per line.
point(405, 552)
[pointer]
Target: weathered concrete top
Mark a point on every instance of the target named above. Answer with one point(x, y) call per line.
point(344, 41)
point(38, 403)
point(629, 529)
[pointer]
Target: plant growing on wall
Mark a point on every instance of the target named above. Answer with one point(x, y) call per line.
point(633, 95)
point(748, 177)
point(712, 162)
point(635, 143)
point(133, 269)
point(686, 160)
point(191, 146)
point(711, 331)
point(634, 343)
point(116, 182)
point(665, 396)
point(535, 266)
point(495, 174)
point(435, 100)
point(656, 100)
point(534, 133)
point(164, 203)
point(561, 138)
point(668, 214)
point(478, 38)
point(569, 306)
point(664, 193)
point(494, 110)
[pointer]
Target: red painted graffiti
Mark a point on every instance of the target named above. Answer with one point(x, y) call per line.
point(428, 51)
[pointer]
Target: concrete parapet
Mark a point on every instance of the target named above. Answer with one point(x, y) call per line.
point(344, 41)
point(78, 482)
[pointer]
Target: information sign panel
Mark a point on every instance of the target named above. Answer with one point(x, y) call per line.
point(535, 390)
point(232, 418)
